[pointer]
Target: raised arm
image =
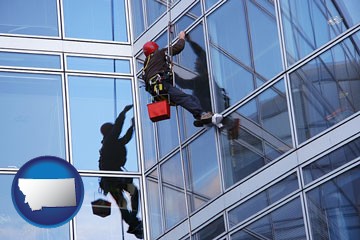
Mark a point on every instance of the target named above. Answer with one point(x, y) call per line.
point(179, 45)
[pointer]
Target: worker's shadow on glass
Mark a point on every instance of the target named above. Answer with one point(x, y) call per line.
point(112, 158)
point(199, 84)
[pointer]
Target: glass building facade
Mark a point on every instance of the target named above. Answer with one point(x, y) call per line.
point(288, 71)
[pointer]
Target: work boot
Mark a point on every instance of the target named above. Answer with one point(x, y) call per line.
point(206, 117)
point(198, 123)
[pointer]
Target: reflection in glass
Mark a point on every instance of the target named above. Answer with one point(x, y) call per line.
point(148, 135)
point(309, 24)
point(138, 21)
point(14, 227)
point(98, 64)
point(326, 90)
point(212, 230)
point(284, 223)
point(202, 170)
point(262, 200)
point(264, 39)
point(173, 191)
point(334, 208)
point(188, 18)
point(94, 101)
point(30, 17)
point(259, 132)
point(154, 9)
point(239, 56)
point(332, 161)
point(14, 59)
point(113, 156)
point(192, 76)
point(93, 227)
point(32, 119)
point(98, 20)
point(168, 137)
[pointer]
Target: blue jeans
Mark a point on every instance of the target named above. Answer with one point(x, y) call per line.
point(189, 102)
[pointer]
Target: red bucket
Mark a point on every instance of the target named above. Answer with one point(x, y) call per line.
point(159, 110)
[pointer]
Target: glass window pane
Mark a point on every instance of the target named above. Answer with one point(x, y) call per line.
point(331, 161)
point(154, 9)
point(98, 64)
point(193, 75)
point(256, 134)
point(90, 226)
point(98, 20)
point(231, 57)
point(13, 59)
point(14, 227)
point(210, 3)
point(32, 117)
point(310, 24)
point(325, 91)
point(188, 18)
point(137, 17)
point(287, 222)
point(148, 131)
point(154, 209)
point(264, 40)
point(93, 102)
point(262, 200)
point(168, 137)
point(248, 209)
point(334, 207)
point(173, 191)
point(235, 44)
point(30, 17)
point(212, 230)
point(231, 80)
point(202, 170)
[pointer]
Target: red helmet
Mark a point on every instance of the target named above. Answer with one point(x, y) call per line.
point(150, 47)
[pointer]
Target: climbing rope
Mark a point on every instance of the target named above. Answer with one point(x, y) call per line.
point(169, 32)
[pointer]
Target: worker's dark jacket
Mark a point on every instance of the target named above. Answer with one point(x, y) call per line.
point(156, 62)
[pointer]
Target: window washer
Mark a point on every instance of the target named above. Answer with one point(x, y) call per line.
point(158, 77)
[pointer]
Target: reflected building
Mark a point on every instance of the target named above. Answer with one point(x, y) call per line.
point(289, 70)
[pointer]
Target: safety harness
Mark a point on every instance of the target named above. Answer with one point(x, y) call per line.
point(155, 84)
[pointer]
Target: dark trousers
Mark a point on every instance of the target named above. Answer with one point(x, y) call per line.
point(187, 101)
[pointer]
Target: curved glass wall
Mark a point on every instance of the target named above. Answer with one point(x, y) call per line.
point(260, 133)
point(309, 24)
point(247, 49)
point(284, 73)
point(333, 207)
point(325, 90)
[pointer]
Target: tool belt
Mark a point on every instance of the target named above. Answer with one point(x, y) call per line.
point(156, 87)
